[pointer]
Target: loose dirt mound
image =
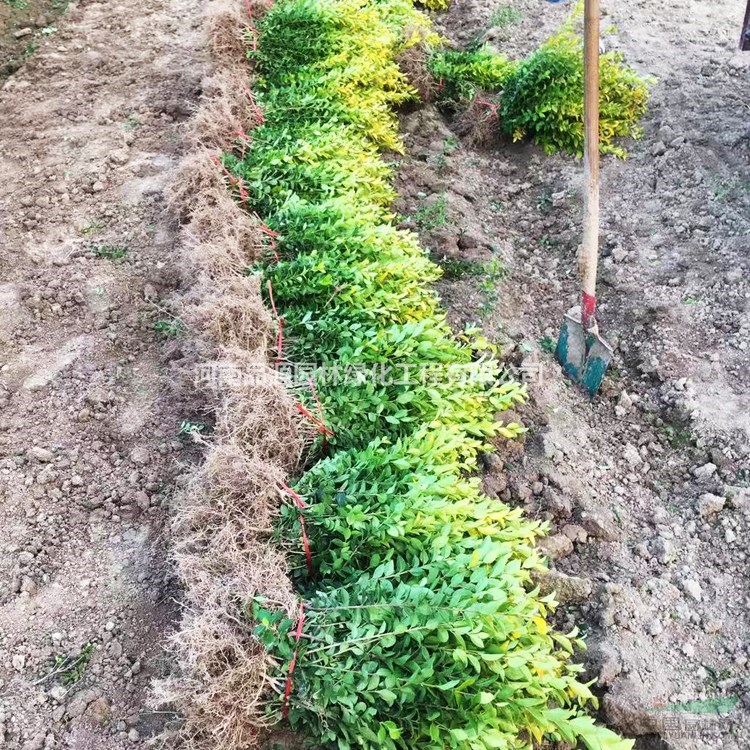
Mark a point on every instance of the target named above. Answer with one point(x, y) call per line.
point(647, 488)
point(90, 438)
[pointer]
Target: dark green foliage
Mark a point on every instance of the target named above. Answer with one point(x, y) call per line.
point(541, 97)
point(461, 74)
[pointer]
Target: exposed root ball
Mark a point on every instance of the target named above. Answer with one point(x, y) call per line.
point(259, 7)
point(227, 29)
point(222, 522)
point(261, 418)
point(223, 679)
point(227, 111)
point(478, 123)
point(234, 316)
point(413, 63)
point(220, 237)
point(231, 485)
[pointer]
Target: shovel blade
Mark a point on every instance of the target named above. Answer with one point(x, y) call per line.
point(584, 355)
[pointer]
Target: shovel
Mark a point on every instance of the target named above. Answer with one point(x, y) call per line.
point(581, 351)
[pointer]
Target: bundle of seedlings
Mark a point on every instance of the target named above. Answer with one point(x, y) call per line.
point(418, 625)
point(540, 98)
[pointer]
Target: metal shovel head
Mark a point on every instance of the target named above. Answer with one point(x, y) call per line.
point(583, 354)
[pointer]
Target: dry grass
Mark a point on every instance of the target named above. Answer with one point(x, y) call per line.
point(227, 111)
point(221, 684)
point(262, 420)
point(234, 316)
point(227, 26)
point(222, 522)
point(413, 63)
point(478, 123)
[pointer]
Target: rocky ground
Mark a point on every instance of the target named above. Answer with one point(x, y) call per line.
point(90, 436)
point(23, 25)
point(646, 488)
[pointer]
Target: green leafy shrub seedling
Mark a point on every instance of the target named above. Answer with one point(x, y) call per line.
point(109, 252)
point(432, 215)
point(420, 627)
point(505, 15)
point(460, 74)
point(541, 96)
point(543, 99)
point(168, 328)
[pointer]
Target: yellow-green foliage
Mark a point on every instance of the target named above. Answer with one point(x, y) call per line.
point(543, 99)
point(423, 628)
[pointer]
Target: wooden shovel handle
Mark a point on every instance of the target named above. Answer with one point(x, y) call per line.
point(590, 252)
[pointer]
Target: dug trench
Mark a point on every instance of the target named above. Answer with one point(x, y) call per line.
point(646, 487)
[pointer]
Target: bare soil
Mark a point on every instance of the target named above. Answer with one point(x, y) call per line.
point(646, 487)
point(90, 433)
point(23, 24)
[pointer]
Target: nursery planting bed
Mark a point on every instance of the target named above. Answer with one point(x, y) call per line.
point(358, 556)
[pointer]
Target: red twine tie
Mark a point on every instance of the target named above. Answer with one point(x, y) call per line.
point(293, 662)
point(492, 106)
point(234, 181)
point(320, 425)
point(320, 411)
point(305, 541)
point(251, 25)
point(270, 234)
point(280, 335)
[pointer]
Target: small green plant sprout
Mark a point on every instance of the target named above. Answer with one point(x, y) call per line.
point(495, 270)
point(110, 252)
point(133, 123)
point(168, 328)
point(456, 268)
point(505, 16)
point(679, 436)
point(432, 215)
point(92, 228)
point(70, 668)
point(547, 344)
point(191, 428)
point(728, 190)
point(544, 201)
point(450, 144)
point(18, 4)
point(548, 243)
